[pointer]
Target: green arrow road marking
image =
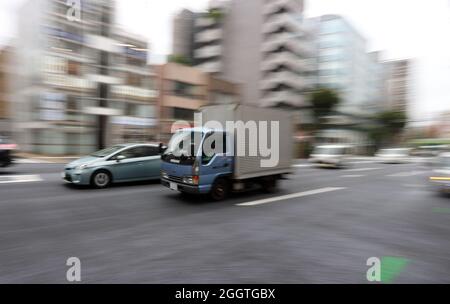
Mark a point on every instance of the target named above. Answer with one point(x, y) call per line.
point(391, 267)
point(441, 210)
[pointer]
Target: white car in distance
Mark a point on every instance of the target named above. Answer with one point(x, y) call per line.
point(336, 156)
point(394, 156)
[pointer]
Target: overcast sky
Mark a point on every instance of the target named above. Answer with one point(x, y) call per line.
point(417, 29)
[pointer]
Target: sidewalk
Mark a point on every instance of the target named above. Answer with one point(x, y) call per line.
point(44, 159)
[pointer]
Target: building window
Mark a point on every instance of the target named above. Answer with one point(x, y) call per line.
point(183, 114)
point(185, 89)
point(73, 68)
point(71, 104)
point(133, 80)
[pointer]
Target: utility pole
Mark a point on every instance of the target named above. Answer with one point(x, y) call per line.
point(103, 88)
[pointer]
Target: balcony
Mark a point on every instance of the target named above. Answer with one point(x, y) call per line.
point(286, 59)
point(211, 66)
point(183, 102)
point(133, 92)
point(69, 82)
point(282, 20)
point(290, 41)
point(286, 97)
point(273, 6)
point(285, 77)
point(208, 52)
point(209, 36)
point(204, 22)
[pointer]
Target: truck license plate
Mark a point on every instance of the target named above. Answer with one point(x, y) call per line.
point(174, 186)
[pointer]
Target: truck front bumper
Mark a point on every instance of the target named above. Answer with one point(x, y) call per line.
point(201, 189)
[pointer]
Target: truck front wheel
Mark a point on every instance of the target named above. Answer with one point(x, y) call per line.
point(220, 189)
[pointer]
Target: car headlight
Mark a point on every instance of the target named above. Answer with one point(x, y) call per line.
point(81, 167)
point(164, 175)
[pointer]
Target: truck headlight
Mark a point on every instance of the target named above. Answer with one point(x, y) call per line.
point(164, 175)
point(191, 180)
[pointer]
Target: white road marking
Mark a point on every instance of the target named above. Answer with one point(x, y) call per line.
point(414, 186)
point(362, 169)
point(303, 166)
point(11, 179)
point(407, 174)
point(31, 161)
point(362, 162)
point(352, 176)
point(289, 196)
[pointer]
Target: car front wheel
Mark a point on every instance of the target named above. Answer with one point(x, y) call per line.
point(101, 179)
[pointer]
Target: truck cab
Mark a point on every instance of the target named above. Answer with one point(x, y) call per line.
point(188, 166)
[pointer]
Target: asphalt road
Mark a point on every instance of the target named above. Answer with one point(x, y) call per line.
point(320, 227)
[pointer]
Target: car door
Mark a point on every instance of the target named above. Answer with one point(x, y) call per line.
point(130, 167)
point(151, 168)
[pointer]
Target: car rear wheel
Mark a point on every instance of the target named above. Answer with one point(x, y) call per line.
point(101, 179)
point(220, 190)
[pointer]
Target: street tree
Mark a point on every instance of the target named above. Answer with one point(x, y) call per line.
point(323, 102)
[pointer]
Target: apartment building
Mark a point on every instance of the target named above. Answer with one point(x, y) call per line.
point(136, 94)
point(183, 34)
point(82, 84)
point(343, 64)
point(183, 90)
point(398, 73)
point(262, 44)
point(5, 76)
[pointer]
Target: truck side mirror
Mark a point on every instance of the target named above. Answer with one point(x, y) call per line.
point(162, 148)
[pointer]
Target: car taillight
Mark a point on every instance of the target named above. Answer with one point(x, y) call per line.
point(196, 179)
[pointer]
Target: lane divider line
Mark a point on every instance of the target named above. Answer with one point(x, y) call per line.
point(20, 179)
point(290, 196)
point(362, 169)
point(407, 174)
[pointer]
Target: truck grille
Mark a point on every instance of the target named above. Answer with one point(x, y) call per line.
point(176, 179)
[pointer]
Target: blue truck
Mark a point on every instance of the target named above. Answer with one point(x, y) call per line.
point(234, 166)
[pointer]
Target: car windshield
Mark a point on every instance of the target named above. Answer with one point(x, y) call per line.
point(329, 151)
point(107, 151)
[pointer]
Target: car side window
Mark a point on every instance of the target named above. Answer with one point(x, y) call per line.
point(135, 152)
point(148, 151)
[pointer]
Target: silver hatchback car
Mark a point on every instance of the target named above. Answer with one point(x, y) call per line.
point(117, 164)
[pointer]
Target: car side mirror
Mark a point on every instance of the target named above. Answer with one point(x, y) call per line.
point(120, 158)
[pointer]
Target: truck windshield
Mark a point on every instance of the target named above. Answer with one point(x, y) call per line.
point(183, 147)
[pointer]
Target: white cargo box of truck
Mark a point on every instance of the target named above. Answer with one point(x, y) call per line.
point(247, 167)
